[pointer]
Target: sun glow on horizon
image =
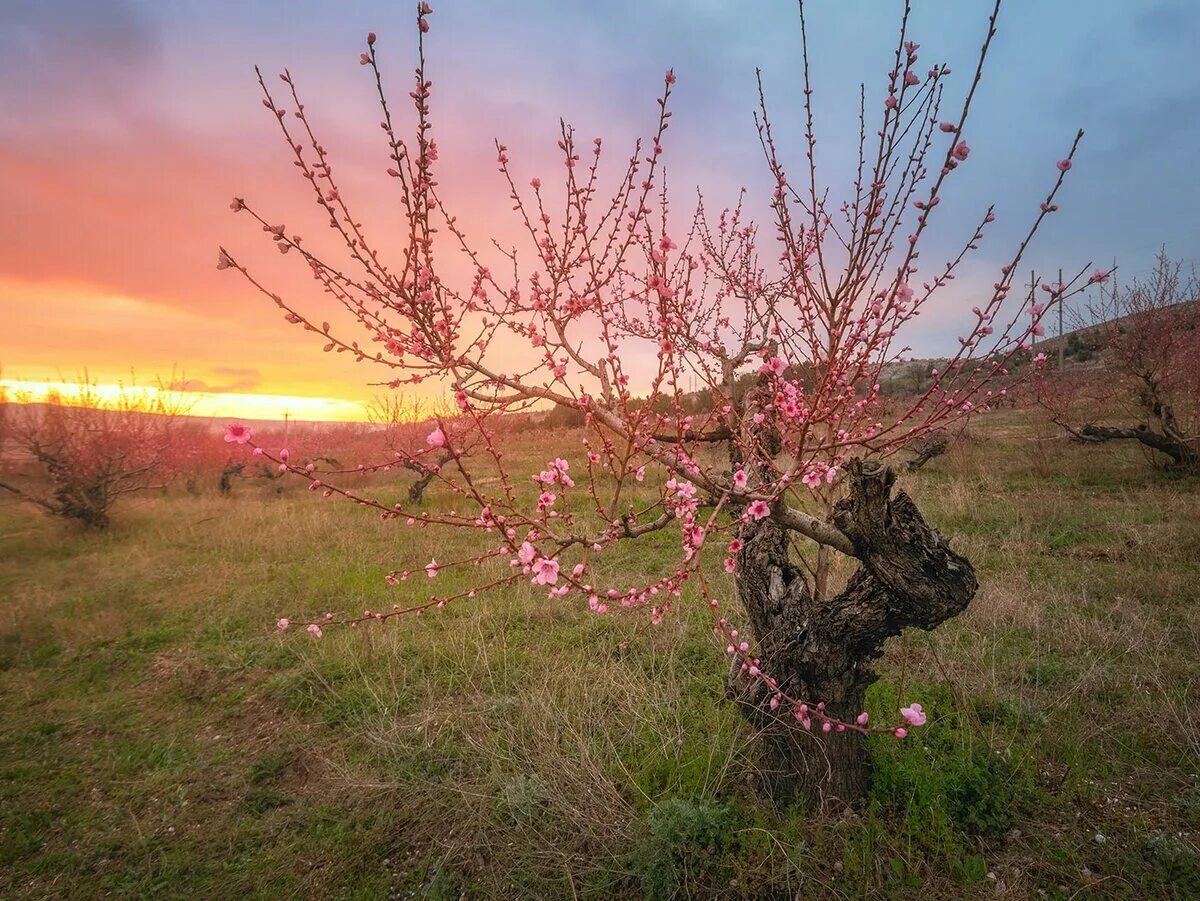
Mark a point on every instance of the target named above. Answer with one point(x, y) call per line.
point(223, 405)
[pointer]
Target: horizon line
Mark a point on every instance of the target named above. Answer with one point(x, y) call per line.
point(198, 404)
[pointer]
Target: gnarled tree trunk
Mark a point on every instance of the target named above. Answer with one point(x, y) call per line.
point(1170, 442)
point(822, 650)
point(425, 473)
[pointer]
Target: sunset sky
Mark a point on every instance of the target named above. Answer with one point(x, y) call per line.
point(126, 127)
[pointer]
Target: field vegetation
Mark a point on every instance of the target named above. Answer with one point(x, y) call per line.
point(159, 738)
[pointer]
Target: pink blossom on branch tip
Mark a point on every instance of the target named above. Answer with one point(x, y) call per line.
point(237, 433)
point(913, 714)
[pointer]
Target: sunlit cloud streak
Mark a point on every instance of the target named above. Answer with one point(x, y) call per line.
point(126, 126)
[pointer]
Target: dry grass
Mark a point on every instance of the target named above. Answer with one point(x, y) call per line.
point(157, 739)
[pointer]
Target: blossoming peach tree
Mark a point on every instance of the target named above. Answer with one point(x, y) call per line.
point(788, 344)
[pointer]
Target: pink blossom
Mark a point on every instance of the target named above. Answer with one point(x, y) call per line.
point(758, 509)
point(948, 127)
point(436, 438)
point(961, 150)
point(1040, 359)
point(640, 475)
point(900, 732)
point(431, 568)
point(282, 624)
point(237, 433)
point(660, 284)
point(526, 553)
point(740, 480)
point(913, 714)
point(1064, 165)
point(545, 571)
point(314, 630)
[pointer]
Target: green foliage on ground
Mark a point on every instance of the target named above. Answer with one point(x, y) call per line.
point(157, 739)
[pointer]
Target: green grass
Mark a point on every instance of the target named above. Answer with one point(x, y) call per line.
point(158, 739)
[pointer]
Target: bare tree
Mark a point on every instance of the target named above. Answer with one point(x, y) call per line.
point(405, 423)
point(1149, 332)
point(76, 456)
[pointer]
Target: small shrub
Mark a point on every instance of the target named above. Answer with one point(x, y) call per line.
point(1173, 860)
point(945, 781)
point(686, 843)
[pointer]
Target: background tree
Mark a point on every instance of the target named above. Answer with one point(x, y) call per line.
point(76, 456)
point(406, 423)
point(1149, 333)
point(601, 302)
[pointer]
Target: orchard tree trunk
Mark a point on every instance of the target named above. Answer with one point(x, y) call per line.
point(416, 491)
point(822, 650)
point(1174, 445)
point(934, 446)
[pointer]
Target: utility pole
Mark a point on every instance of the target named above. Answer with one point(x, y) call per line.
point(1032, 289)
point(285, 426)
point(1062, 343)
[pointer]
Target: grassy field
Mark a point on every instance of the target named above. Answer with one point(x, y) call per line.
point(158, 738)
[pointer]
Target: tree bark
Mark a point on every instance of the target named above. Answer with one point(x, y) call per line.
point(1177, 448)
point(822, 650)
point(416, 491)
point(932, 447)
